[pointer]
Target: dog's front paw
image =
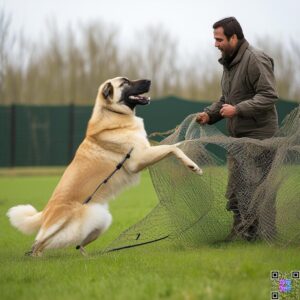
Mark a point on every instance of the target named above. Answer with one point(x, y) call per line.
point(196, 169)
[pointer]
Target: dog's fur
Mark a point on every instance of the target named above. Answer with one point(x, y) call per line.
point(112, 131)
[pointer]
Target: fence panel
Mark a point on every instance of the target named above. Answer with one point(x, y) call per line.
point(50, 135)
point(5, 136)
point(80, 120)
point(42, 135)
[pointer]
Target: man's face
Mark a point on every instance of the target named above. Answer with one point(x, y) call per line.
point(223, 44)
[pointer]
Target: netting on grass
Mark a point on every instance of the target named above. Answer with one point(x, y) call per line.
point(260, 177)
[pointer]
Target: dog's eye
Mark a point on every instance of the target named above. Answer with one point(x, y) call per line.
point(125, 82)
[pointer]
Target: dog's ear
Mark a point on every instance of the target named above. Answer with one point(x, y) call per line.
point(108, 91)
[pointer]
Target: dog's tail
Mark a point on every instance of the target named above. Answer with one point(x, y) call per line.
point(25, 218)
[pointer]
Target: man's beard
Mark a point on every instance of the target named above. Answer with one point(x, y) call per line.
point(227, 54)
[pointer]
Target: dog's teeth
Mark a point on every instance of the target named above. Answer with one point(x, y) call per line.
point(139, 97)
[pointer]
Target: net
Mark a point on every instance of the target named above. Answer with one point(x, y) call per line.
point(250, 190)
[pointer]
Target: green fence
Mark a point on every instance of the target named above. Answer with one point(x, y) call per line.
point(50, 135)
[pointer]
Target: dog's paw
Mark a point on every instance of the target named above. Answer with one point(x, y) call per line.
point(199, 171)
point(28, 253)
point(196, 169)
point(33, 254)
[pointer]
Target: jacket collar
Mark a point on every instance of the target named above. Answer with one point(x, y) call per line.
point(237, 56)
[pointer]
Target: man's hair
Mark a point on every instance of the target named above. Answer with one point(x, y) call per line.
point(231, 26)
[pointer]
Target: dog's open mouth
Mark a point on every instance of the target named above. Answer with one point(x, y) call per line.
point(143, 100)
point(133, 93)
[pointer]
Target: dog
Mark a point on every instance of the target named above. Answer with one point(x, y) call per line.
point(113, 132)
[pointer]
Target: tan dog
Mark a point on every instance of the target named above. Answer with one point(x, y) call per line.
point(112, 131)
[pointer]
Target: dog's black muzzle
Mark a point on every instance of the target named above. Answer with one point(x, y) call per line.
point(133, 93)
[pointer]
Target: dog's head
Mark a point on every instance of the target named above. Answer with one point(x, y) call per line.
point(122, 95)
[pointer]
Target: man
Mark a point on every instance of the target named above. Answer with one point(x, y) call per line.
point(248, 104)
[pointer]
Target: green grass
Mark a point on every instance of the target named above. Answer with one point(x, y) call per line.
point(236, 270)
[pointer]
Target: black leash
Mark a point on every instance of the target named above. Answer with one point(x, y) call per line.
point(118, 167)
point(136, 245)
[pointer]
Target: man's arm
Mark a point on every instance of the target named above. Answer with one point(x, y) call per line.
point(213, 111)
point(261, 77)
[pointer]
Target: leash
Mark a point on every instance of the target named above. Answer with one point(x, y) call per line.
point(118, 167)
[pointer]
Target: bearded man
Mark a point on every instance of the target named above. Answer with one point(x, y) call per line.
point(248, 104)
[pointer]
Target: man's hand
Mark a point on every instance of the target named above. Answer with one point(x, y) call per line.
point(228, 111)
point(202, 118)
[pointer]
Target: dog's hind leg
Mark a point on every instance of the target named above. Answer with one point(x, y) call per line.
point(82, 226)
point(45, 237)
point(97, 220)
point(90, 238)
point(36, 250)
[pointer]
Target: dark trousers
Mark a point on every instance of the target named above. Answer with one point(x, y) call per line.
point(250, 194)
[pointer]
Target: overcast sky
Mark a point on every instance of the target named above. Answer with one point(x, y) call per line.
point(189, 21)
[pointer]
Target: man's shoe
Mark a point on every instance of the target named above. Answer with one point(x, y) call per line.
point(250, 237)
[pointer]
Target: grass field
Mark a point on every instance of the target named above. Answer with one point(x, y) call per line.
point(236, 270)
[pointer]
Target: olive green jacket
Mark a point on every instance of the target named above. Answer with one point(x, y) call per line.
point(248, 83)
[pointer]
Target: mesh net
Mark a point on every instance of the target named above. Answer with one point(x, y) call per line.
point(250, 189)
